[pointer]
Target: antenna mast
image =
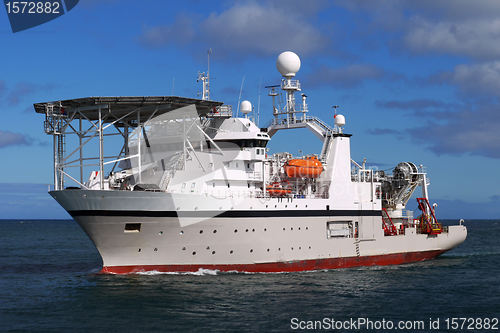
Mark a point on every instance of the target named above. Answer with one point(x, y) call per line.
point(205, 79)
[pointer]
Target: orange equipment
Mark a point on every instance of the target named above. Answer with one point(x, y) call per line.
point(428, 222)
point(277, 190)
point(310, 167)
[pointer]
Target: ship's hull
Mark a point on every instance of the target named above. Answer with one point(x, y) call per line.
point(289, 266)
point(247, 238)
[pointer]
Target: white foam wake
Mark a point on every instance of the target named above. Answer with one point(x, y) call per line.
point(199, 272)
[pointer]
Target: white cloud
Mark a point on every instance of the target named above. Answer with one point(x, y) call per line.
point(456, 9)
point(467, 131)
point(8, 138)
point(480, 79)
point(475, 38)
point(245, 28)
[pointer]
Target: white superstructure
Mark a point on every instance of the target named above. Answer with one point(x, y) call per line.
point(193, 187)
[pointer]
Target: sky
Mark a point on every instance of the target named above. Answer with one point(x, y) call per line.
point(417, 81)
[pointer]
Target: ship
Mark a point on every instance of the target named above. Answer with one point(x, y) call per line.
point(183, 184)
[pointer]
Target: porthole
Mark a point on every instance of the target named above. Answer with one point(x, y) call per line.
point(307, 228)
point(251, 250)
point(300, 247)
point(201, 231)
point(160, 233)
point(265, 229)
point(296, 206)
point(283, 229)
point(194, 253)
point(139, 250)
point(213, 252)
point(235, 230)
point(279, 248)
point(246, 230)
point(275, 206)
point(306, 206)
point(291, 228)
point(181, 232)
point(309, 247)
point(267, 250)
point(184, 248)
point(215, 231)
point(231, 252)
point(292, 248)
point(208, 247)
point(299, 228)
point(266, 206)
point(253, 230)
point(286, 206)
point(155, 249)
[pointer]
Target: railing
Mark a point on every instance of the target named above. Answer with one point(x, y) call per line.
point(254, 175)
point(321, 123)
point(221, 111)
point(290, 84)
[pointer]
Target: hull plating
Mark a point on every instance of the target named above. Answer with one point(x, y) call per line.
point(291, 266)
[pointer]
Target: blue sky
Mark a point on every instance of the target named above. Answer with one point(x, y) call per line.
point(417, 81)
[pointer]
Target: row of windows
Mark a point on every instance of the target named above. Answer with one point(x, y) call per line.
point(241, 143)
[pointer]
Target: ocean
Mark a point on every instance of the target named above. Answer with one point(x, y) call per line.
point(49, 282)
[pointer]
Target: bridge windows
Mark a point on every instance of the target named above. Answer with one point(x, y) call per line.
point(240, 143)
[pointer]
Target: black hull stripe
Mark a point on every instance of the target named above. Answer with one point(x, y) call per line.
point(229, 213)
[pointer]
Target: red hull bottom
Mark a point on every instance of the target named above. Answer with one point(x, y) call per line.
point(289, 266)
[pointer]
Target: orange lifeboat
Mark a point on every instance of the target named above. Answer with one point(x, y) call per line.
point(277, 190)
point(309, 167)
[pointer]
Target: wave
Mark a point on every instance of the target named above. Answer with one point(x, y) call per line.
point(199, 272)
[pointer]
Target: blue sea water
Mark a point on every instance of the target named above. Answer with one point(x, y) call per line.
point(49, 282)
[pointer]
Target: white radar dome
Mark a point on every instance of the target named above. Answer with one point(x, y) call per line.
point(288, 64)
point(245, 107)
point(339, 120)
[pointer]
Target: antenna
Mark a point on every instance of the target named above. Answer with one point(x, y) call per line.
point(208, 74)
point(239, 98)
point(335, 107)
point(258, 103)
point(205, 79)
